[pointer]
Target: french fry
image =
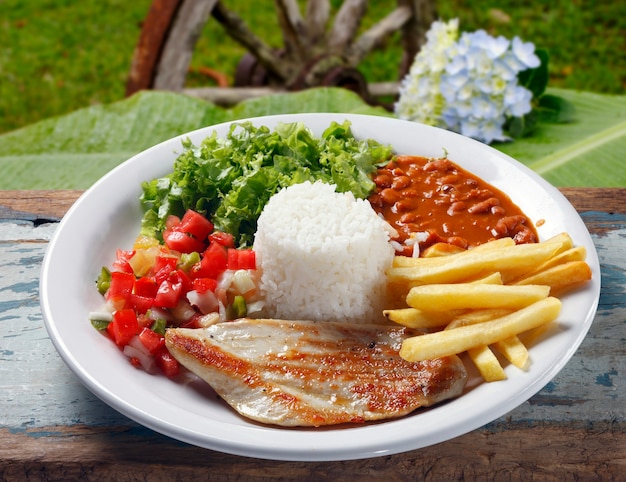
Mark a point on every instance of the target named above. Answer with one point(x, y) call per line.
point(510, 261)
point(490, 279)
point(441, 249)
point(406, 261)
point(413, 318)
point(560, 277)
point(453, 341)
point(474, 317)
point(397, 292)
point(563, 239)
point(513, 350)
point(483, 358)
point(487, 364)
point(472, 297)
point(578, 253)
point(444, 297)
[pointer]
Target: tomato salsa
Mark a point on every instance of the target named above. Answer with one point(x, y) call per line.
point(196, 277)
point(430, 201)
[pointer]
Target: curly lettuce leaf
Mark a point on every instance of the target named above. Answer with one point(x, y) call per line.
point(230, 180)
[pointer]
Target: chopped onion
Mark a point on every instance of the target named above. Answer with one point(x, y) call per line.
point(103, 315)
point(183, 311)
point(242, 281)
point(255, 307)
point(208, 320)
point(206, 302)
point(158, 314)
point(225, 280)
point(136, 349)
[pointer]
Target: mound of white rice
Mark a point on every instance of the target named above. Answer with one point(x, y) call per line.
point(322, 255)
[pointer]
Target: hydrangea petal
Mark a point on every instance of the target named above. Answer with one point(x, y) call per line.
point(525, 53)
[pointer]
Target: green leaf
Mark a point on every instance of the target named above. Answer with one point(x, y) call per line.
point(536, 80)
point(518, 127)
point(587, 152)
point(75, 150)
point(552, 108)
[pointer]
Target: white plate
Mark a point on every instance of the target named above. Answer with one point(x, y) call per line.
point(107, 217)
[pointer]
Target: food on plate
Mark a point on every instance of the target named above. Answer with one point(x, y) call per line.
point(429, 201)
point(255, 231)
point(322, 255)
point(304, 373)
point(230, 179)
point(460, 339)
point(511, 261)
point(472, 316)
point(191, 265)
point(442, 297)
point(194, 278)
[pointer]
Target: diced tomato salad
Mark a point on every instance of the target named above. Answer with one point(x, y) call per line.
point(196, 277)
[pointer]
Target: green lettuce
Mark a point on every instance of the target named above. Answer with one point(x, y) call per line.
point(230, 180)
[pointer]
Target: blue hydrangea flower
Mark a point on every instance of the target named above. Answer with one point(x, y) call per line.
point(467, 83)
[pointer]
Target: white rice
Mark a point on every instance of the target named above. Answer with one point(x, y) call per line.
point(322, 256)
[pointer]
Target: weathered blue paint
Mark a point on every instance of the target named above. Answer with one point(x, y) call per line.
point(37, 434)
point(614, 220)
point(606, 379)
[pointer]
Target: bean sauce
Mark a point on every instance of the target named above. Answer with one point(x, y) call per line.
point(445, 203)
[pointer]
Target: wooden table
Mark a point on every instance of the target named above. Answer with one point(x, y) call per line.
point(55, 429)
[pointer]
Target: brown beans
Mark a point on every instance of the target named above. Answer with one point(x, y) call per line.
point(484, 206)
point(390, 196)
point(401, 182)
point(437, 165)
point(383, 180)
point(415, 194)
point(456, 207)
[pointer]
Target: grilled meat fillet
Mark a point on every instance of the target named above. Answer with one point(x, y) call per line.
point(302, 373)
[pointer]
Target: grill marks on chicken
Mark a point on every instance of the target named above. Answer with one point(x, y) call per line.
point(300, 373)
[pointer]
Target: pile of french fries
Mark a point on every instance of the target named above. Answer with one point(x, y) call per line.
point(481, 299)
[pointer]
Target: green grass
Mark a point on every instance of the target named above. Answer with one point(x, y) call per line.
point(59, 55)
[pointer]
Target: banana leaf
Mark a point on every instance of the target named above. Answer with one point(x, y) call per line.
point(74, 150)
point(588, 152)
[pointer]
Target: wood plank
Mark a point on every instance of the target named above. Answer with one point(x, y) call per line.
point(346, 24)
point(153, 35)
point(43, 204)
point(376, 35)
point(317, 15)
point(183, 34)
point(54, 204)
point(550, 453)
point(609, 200)
point(53, 428)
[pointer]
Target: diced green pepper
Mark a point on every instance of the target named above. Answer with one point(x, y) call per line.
point(187, 260)
point(239, 307)
point(100, 325)
point(159, 326)
point(104, 280)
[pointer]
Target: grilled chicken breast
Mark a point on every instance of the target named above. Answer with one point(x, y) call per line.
point(301, 373)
